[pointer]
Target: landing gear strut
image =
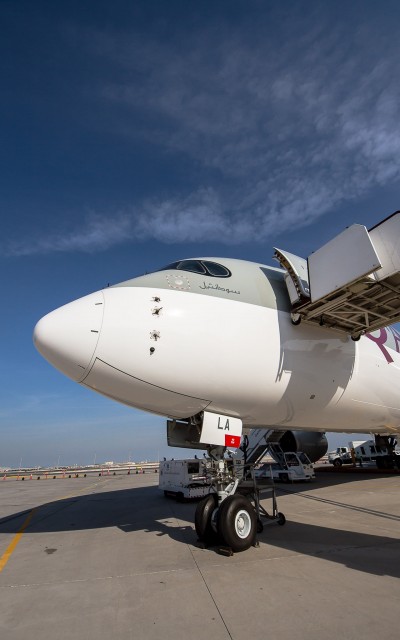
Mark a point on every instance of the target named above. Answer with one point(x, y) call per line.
point(231, 514)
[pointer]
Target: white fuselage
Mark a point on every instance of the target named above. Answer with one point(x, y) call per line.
point(175, 343)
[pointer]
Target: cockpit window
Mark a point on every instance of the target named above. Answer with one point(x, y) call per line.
point(203, 267)
point(191, 265)
point(216, 270)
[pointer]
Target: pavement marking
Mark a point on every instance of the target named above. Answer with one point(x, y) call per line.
point(11, 547)
point(122, 576)
point(14, 542)
point(343, 505)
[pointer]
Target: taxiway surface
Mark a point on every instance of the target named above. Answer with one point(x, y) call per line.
point(110, 557)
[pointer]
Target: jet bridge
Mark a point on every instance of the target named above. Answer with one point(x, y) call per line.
point(352, 283)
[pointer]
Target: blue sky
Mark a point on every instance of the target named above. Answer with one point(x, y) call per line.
point(136, 133)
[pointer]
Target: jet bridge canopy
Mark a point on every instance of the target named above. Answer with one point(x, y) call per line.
point(352, 283)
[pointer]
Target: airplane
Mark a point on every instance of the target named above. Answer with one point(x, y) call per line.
point(217, 345)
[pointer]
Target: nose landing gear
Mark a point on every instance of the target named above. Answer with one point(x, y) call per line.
point(231, 515)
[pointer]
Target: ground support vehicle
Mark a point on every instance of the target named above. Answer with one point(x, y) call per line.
point(184, 479)
point(340, 456)
point(290, 467)
point(380, 451)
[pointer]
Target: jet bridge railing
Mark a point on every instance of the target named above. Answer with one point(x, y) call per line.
point(255, 444)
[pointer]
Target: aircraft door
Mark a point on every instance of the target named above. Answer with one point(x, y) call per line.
point(296, 276)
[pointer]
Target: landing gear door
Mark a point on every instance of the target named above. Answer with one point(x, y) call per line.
point(296, 277)
point(183, 435)
point(221, 430)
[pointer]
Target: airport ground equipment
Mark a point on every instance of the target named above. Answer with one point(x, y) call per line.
point(289, 466)
point(381, 451)
point(184, 479)
point(256, 444)
point(352, 283)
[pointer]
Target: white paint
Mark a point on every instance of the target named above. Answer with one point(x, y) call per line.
point(67, 337)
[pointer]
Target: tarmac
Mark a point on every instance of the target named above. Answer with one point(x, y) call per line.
point(111, 557)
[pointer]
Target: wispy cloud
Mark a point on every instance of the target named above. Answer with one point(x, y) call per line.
point(283, 126)
point(97, 233)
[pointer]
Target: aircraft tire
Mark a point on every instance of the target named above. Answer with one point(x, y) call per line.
point(281, 519)
point(202, 519)
point(237, 522)
point(387, 463)
point(295, 318)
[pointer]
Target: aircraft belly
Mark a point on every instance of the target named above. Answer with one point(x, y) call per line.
point(129, 390)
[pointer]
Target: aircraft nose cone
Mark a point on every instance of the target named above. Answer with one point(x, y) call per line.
point(68, 336)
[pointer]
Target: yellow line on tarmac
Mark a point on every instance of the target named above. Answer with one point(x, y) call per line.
point(11, 547)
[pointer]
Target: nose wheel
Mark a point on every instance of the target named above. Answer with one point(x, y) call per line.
point(237, 523)
point(233, 524)
point(203, 520)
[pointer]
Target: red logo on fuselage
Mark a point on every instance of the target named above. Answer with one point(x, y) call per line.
point(382, 339)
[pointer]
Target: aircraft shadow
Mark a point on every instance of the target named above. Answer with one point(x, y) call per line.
point(146, 509)
point(354, 549)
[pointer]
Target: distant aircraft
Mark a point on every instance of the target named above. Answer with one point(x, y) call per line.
point(219, 344)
